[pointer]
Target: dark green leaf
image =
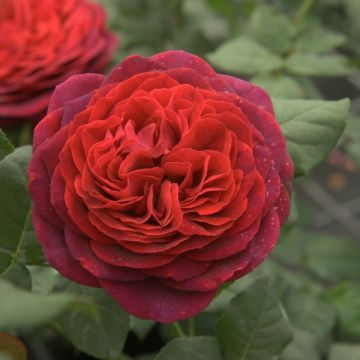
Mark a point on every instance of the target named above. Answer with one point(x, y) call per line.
point(311, 128)
point(6, 147)
point(254, 327)
point(97, 326)
point(244, 55)
point(194, 348)
point(347, 300)
point(15, 204)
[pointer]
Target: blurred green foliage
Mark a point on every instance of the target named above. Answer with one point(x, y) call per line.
point(303, 302)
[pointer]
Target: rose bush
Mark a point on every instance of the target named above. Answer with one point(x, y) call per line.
point(42, 43)
point(159, 182)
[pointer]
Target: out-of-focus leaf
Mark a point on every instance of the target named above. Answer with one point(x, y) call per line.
point(318, 65)
point(347, 300)
point(97, 326)
point(333, 258)
point(316, 38)
point(141, 327)
point(194, 348)
point(344, 351)
point(42, 278)
point(310, 311)
point(244, 55)
point(211, 24)
point(254, 327)
point(303, 347)
point(281, 86)
point(311, 128)
point(22, 309)
point(271, 28)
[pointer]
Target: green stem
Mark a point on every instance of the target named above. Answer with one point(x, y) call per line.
point(191, 327)
point(305, 7)
point(177, 329)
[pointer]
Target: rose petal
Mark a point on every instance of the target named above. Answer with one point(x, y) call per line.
point(76, 86)
point(150, 299)
point(251, 92)
point(57, 253)
point(180, 59)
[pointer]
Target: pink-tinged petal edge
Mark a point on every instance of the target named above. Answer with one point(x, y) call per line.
point(72, 88)
point(150, 299)
point(250, 92)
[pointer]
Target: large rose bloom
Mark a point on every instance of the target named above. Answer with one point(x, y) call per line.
point(42, 43)
point(159, 182)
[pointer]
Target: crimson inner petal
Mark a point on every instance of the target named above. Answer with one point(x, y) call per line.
point(161, 166)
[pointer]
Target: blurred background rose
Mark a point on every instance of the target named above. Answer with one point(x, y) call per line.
point(42, 43)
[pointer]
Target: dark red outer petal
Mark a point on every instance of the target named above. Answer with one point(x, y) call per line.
point(178, 59)
point(47, 128)
point(40, 180)
point(150, 299)
point(80, 249)
point(73, 107)
point(250, 92)
point(57, 253)
point(262, 244)
point(74, 87)
point(132, 65)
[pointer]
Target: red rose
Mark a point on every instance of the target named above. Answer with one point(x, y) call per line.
point(159, 182)
point(42, 43)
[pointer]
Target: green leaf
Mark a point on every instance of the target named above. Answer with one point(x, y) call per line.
point(22, 309)
point(332, 258)
point(271, 29)
point(42, 278)
point(254, 327)
point(246, 56)
point(11, 348)
point(309, 311)
point(194, 348)
point(311, 128)
point(303, 347)
point(141, 327)
point(203, 17)
point(344, 351)
point(6, 147)
point(351, 138)
point(318, 65)
point(318, 39)
point(97, 326)
point(31, 251)
point(347, 301)
point(281, 86)
point(15, 205)
point(229, 291)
